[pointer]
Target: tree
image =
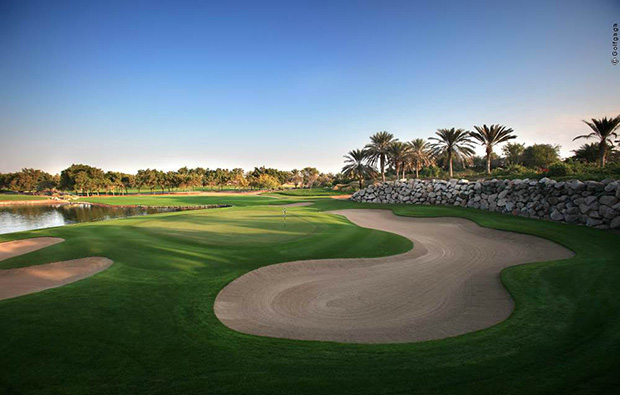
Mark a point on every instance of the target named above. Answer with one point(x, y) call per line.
point(602, 129)
point(296, 178)
point(264, 181)
point(90, 179)
point(310, 175)
point(398, 156)
point(378, 149)
point(419, 155)
point(128, 181)
point(454, 144)
point(513, 153)
point(589, 153)
point(489, 136)
point(147, 178)
point(356, 166)
point(541, 155)
point(115, 181)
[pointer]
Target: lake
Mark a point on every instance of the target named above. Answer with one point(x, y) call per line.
point(28, 217)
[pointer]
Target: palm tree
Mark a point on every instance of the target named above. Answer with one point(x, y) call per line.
point(491, 136)
point(398, 156)
point(604, 130)
point(356, 166)
point(419, 155)
point(513, 153)
point(454, 144)
point(379, 148)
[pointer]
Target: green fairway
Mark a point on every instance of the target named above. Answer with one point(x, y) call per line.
point(146, 325)
point(310, 192)
point(190, 200)
point(20, 198)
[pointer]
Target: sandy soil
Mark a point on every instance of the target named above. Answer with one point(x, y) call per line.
point(21, 247)
point(22, 281)
point(446, 286)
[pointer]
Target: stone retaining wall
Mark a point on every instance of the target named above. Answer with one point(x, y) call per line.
point(590, 203)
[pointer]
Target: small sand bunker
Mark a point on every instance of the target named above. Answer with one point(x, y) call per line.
point(22, 281)
point(300, 204)
point(21, 247)
point(447, 285)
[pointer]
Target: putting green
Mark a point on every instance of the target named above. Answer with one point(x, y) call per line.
point(146, 324)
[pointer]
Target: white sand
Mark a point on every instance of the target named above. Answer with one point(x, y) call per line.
point(22, 281)
point(446, 286)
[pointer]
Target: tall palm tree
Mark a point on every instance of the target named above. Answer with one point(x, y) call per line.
point(356, 166)
point(603, 129)
point(491, 136)
point(398, 156)
point(419, 155)
point(378, 149)
point(454, 144)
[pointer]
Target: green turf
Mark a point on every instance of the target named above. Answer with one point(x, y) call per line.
point(190, 200)
point(310, 192)
point(20, 198)
point(146, 325)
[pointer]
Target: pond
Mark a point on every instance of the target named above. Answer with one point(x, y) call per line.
point(27, 217)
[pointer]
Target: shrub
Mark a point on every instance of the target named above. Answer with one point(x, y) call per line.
point(559, 169)
point(433, 172)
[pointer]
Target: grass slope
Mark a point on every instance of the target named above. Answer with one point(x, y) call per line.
point(146, 325)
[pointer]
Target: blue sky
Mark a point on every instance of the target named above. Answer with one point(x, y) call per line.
point(129, 84)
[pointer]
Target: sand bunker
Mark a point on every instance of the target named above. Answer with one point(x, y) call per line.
point(446, 286)
point(22, 281)
point(21, 247)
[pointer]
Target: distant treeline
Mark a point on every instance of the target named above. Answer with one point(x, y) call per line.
point(86, 179)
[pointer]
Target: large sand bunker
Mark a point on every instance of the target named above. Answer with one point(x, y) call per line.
point(22, 281)
point(446, 286)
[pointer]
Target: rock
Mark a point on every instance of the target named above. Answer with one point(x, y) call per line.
point(615, 223)
point(557, 216)
point(593, 222)
point(608, 200)
point(607, 212)
point(584, 208)
point(590, 199)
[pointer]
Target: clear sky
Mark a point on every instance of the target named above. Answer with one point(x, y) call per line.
point(129, 84)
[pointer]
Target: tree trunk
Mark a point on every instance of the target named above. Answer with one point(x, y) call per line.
point(489, 153)
point(602, 148)
point(361, 182)
point(417, 171)
point(382, 160)
point(450, 164)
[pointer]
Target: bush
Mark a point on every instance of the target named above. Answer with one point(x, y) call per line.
point(433, 172)
point(559, 169)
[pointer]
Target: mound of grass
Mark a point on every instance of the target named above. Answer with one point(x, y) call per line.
point(146, 325)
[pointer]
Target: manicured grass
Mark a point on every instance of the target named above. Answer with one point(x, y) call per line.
point(20, 198)
point(190, 200)
point(146, 325)
point(310, 192)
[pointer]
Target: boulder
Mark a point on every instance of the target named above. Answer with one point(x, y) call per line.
point(557, 216)
point(608, 200)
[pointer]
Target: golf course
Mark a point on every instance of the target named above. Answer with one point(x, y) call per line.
point(147, 322)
